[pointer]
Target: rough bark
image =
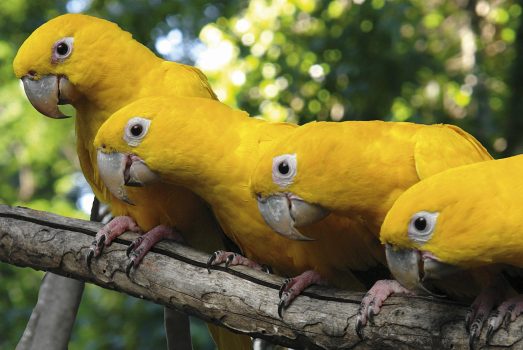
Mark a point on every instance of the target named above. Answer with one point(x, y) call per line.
point(239, 299)
point(54, 314)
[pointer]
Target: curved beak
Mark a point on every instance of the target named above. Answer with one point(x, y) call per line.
point(112, 168)
point(118, 170)
point(139, 173)
point(413, 268)
point(283, 213)
point(46, 93)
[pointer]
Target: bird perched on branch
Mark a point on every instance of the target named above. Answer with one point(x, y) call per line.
point(212, 149)
point(354, 170)
point(463, 218)
point(98, 68)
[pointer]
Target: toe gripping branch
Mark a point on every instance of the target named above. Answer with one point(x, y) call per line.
point(234, 259)
point(293, 287)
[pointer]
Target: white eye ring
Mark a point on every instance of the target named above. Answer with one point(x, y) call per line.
point(135, 130)
point(421, 226)
point(284, 169)
point(62, 49)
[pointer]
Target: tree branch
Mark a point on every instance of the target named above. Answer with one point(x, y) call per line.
point(238, 298)
point(54, 314)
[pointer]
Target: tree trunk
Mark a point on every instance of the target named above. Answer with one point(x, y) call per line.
point(238, 298)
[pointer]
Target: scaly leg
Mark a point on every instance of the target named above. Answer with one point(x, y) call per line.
point(372, 301)
point(233, 259)
point(507, 312)
point(141, 245)
point(489, 297)
point(292, 287)
point(108, 233)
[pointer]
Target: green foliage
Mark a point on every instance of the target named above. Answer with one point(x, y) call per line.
point(410, 60)
point(457, 62)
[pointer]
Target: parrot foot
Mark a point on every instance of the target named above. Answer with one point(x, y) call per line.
point(108, 233)
point(373, 300)
point(292, 287)
point(234, 259)
point(143, 244)
point(481, 307)
point(507, 312)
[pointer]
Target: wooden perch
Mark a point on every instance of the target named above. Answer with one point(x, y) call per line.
point(238, 298)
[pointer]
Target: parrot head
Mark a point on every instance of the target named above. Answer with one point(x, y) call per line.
point(153, 139)
point(277, 186)
point(436, 228)
point(67, 57)
point(125, 144)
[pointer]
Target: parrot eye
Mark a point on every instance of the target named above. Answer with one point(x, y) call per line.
point(135, 130)
point(284, 169)
point(421, 226)
point(62, 49)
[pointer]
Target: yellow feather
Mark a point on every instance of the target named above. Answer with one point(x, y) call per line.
point(109, 70)
point(480, 218)
point(213, 150)
point(358, 169)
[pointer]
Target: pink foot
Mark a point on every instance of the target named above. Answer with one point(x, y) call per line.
point(507, 312)
point(233, 259)
point(482, 306)
point(141, 245)
point(373, 301)
point(109, 232)
point(292, 287)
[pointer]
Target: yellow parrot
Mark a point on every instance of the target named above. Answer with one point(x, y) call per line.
point(355, 169)
point(462, 218)
point(212, 149)
point(98, 68)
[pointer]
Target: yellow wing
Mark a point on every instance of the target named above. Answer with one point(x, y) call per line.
point(441, 147)
point(104, 70)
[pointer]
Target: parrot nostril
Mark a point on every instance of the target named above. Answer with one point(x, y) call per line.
point(31, 73)
point(103, 145)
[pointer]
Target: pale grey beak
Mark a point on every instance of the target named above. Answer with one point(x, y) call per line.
point(112, 168)
point(435, 270)
point(412, 271)
point(283, 214)
point(140, 174)
point(46, 93)
point(118, 170)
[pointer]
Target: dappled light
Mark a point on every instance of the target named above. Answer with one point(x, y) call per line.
point(457, 62)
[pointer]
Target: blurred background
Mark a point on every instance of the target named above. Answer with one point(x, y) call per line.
point(423, 61)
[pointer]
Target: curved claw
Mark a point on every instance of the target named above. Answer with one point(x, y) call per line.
point(89, 257)
point(266, 268)
point(507, 317)
point(284, 286)
point(130, 248)
point(468, 318)
point(211, 260)
point(230, 258)
point(490, 334)
point(281, 305)
point(128, 268)
point(472, 338)
point(475, 330)
point(359, 327)
point(370, 312)
point(101, 242)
